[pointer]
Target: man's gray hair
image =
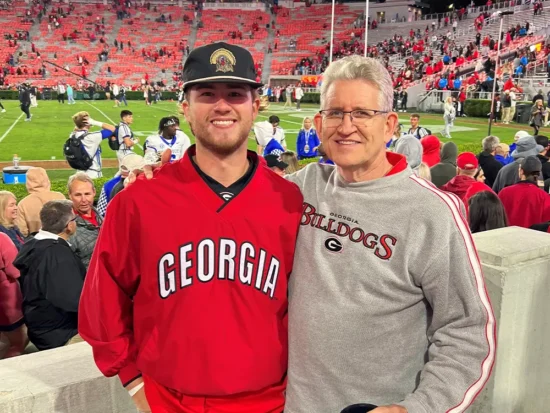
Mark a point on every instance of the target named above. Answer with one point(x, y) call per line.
point(360, 68)
point(55, 215)
point(490, 143)
point(79, 176)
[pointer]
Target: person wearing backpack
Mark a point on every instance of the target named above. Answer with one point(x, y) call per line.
point(416, 130)
point(83, 148)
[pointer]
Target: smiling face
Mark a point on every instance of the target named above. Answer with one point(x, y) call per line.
point(10, 213)
point(221, 115)
point(355, 146)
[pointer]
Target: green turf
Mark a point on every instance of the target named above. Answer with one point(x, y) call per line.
point(43, 137)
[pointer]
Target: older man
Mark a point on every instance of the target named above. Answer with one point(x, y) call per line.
point(81, 191)
point(387, 298)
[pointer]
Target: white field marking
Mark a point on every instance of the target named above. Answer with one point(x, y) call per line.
point(441, 128)
point(11, 127)
point(103, 113)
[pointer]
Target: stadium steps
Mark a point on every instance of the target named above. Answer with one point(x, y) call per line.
point(268, 57)
point(95, 72)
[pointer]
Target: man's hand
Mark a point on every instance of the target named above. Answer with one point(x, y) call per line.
point(139, 398)
point(390, 409)
point(148, 170)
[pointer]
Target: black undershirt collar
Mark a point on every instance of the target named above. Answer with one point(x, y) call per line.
point(230, 192)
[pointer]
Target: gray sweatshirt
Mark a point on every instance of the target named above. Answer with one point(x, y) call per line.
point(387, 299)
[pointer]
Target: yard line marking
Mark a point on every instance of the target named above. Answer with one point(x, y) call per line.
point(103, 113)
point(11, 127)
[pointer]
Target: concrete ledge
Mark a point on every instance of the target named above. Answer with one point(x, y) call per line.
point(516, 266)
point(63, 380)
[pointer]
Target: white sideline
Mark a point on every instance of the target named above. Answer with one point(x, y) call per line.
point(11, 127)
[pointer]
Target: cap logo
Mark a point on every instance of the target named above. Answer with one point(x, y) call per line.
point(224, 60)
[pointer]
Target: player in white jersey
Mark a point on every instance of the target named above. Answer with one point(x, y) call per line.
point(167, 138)
point(181, 134)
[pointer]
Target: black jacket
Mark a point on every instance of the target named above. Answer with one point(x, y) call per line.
point(490, 167)
point(51, 282)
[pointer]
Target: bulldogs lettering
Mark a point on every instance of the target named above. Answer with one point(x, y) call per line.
point(225, 260)
point(382, 245)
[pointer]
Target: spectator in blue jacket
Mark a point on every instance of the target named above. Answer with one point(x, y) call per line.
point(443, 82)
point(308, 141)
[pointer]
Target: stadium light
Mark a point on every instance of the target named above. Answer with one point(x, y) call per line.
point(366, 25)
point(331, 32)
point(501, 14)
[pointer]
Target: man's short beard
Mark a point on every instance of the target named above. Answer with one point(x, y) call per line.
point(216, 148)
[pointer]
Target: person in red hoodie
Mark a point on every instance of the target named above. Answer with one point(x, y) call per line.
point(525, 203)
point(431, 150)
point(465, 184)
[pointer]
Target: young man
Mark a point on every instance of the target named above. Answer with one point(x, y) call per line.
point(194, 310)
point(268, 131)
point(416, 130)
point(167, 138)
point(181, 135)
point(125, 136)
point(91, 140)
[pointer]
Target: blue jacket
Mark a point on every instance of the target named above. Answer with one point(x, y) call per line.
point(312, 142)
point(457, 84)
point(503, 160)
point(443, 83)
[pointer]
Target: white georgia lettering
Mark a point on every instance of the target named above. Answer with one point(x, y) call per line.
point(167, 279)
point(271, 279)
point(261, 264)
point(205, 257)
point(185, 264)
point(228, 250)
point(245, 266)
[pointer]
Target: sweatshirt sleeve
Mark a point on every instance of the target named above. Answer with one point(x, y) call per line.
point(462, 330)
point(106, 308)
point(8, 254)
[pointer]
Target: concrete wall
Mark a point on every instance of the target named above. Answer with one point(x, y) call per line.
point(64, 380)
point(516, 265)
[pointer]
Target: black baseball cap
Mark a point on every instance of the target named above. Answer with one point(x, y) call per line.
point(274, 161)
point(219, 63)
point(531, 164)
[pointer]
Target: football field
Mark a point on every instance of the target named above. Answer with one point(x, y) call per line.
point(42, 138)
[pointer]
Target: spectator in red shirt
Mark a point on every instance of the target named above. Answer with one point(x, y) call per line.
point(525, 203)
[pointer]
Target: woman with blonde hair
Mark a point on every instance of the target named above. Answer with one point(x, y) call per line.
point(13, 333)
point(538, 116)
point(424, 172)
point(291, 160)
point(449, 116)
point(307, 141)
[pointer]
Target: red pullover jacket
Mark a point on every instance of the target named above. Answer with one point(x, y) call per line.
point(192, 290)
point(525, 204)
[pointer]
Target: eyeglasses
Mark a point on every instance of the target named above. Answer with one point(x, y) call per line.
point(72, 219)
point(334, 117)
